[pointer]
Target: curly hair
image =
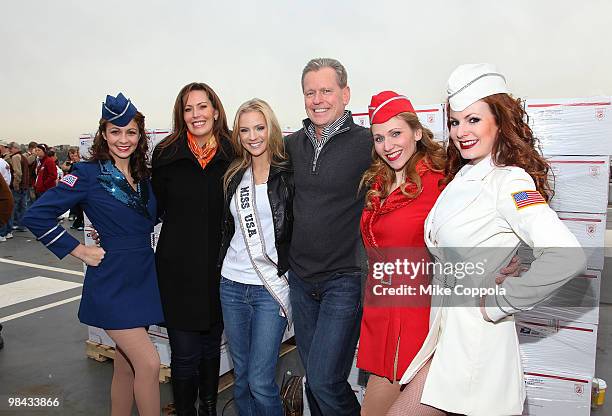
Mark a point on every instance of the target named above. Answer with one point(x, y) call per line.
point(515, 144)
point(138, 160)
point(380, 171)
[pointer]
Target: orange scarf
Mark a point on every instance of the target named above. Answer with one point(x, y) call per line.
point(205, 153)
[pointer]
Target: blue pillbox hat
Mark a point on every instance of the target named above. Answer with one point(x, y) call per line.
point(119, 111)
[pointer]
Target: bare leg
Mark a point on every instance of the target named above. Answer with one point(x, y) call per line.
point(409, 400)
point(143, 357)
point(122, 387)
point(379, 396)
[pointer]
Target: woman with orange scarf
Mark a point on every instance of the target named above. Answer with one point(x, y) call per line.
point(188, 167)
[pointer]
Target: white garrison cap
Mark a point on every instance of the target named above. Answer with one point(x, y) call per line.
point(472, 82)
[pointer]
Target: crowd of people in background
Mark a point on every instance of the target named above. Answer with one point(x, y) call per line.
point(28, 173)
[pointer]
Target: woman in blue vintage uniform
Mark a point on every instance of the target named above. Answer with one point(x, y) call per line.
point(120, 292)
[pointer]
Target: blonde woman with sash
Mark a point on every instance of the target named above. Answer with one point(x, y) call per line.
point(257, 220)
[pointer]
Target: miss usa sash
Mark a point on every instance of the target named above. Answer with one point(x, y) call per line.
point(264, 266)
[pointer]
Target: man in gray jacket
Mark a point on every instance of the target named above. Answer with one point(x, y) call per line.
point(329, 156)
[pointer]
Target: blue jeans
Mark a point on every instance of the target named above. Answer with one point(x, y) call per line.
point(5, 228)
point(254, 330)
point(21, 199)
point(327, 318)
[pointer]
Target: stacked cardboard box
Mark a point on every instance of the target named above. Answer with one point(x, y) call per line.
point(550, 393)
point(361, 119)
point(433, 117)
point(572, 126)
point(85, 142)
point(157, 334)
point(357, 379)
point(558, 338)
point(159, 338)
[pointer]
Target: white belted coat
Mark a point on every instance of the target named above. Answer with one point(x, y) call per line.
point(476, 367)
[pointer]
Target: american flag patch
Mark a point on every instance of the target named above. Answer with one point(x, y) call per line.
point(524, 199)
point(69, 180)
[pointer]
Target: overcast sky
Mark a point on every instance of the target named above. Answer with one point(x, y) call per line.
point(59, 59)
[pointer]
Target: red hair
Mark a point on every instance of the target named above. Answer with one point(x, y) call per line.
point(379, 170)
point(515, 144)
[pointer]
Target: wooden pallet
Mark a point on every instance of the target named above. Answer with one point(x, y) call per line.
point(101, 353)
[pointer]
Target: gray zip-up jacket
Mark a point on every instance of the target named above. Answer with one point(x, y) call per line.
point(327, 205)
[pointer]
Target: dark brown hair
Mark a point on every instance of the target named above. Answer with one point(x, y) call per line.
point(179, 127)
point(43, 147)
point(426, 148)
point(515, 144)
point(138, 160)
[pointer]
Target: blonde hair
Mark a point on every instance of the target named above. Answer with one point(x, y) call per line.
point(379, 170)
point(276, 144)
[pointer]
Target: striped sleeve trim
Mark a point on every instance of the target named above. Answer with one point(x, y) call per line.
point(55, 239)
point(48, 232)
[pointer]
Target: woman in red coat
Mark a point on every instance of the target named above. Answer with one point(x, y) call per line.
point(403, 183)
point(46, 173)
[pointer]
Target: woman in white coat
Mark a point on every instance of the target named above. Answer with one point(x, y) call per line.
point(495, 200)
